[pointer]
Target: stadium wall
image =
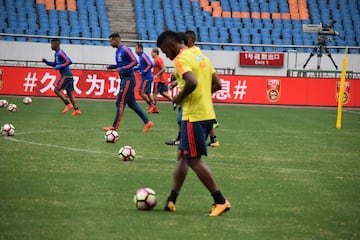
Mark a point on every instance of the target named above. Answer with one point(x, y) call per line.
point(238, 89)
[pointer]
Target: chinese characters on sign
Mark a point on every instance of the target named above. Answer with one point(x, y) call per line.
point(262, 59)
point(97, 86)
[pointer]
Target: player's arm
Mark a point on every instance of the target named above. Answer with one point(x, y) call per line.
point(189, 87)
point(163, 69)
point(66, 59)
point(132, 59)
point(52, 64)
point(112, 66)
point(216, 83)
point(149, 64)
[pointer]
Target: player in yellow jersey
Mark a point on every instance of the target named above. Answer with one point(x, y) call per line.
point(197, 81)
point(189, 40)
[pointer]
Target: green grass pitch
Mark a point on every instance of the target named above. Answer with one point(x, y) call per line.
point(288, 173)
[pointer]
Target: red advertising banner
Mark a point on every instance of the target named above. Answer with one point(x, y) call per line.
point(263, 59)
point(235, 89)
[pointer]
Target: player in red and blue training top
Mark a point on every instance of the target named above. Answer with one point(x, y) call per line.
point(125, 63)
point(66, 81)
point(145, 67)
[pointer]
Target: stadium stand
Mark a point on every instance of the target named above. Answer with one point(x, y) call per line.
point(276, 22)
point(63, 18)
point(251, 21)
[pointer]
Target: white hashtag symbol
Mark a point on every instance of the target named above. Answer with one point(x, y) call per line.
point(30, 82)
point(240, 90)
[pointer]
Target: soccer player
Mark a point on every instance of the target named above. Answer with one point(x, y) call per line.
point(160, 85)
point(125, 63)
point(190, 42)
point(145, 69)
point(197, 81)
point(66, 81)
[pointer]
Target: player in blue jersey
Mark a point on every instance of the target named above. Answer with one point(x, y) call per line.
point(145, 69)
point(66, 81)
point(125, 63)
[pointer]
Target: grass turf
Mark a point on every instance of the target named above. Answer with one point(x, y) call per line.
point(288, 173)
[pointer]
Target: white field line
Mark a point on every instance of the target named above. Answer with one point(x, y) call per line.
point(350, 111)
point(55, 146)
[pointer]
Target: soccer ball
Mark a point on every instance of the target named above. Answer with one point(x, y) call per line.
point(111, 136)
point(27, 100)
point(145, 199)
point(127, 153)
point(7, 130)
point(12, 107)
point(3, 103)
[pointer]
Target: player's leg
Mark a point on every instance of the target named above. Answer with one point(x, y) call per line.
point(155, 91)
point(176, 141)
point(120, 104)
point(214, 142)
point(59, 86)
point(179, 176)
point(131, 101)
point(69, 87)
point(164, 91)
point(142, 92)
point(167, 96)
point(198, 132)
point(148, 92)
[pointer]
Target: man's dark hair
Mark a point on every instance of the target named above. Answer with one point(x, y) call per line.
point(139, 45)
point(115, 35)
point(55, 40)
point(169, 35)
point(191, 34)
point(183, 37)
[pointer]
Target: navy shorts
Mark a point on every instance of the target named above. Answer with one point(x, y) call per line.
point(145, 86)
point(65, 83)
point(193, 138)
point(160, 87)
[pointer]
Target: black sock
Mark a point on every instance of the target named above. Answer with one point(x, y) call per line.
point(213, 139)
point(173, 196)
point(66, 102)
point(218, 197)
point(76, 108)
point(178, 137)
point(148, 103)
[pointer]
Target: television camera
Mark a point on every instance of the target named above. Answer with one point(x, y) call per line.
point(324, 34)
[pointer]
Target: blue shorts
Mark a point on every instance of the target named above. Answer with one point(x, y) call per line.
point(145, 86)
point(66, 83)
point(160, 87)
point(193, 138)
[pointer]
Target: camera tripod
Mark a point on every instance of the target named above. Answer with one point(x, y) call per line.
point(318, 49)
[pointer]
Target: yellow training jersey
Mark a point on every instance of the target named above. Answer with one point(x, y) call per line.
point(198, 105)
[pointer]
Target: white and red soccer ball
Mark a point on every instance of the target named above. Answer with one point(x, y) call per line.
point(127, 153)
point(4, 103)
point(145, 199)
point(12, 107)
point(7, 130)
point(111, 136)
point(27, 100)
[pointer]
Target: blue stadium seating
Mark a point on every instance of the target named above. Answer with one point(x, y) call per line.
point(182, 15)
point(26, 17)
point(152, 17)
